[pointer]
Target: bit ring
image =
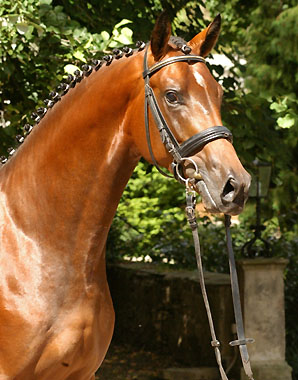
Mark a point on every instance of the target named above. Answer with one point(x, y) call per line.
point(194, 164)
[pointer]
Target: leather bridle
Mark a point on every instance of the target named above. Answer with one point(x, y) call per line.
point(192, 145)
point(181, 152)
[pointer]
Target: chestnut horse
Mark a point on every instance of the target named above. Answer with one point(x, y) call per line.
point(60, 191)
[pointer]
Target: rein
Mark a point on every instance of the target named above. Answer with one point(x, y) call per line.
point(241, 341)
point(181, 152)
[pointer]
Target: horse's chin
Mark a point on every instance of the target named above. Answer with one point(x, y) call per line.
point(213, 205)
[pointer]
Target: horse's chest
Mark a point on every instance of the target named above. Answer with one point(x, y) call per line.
point(78, 344)
point(70, 340)
point(51, 325)
point(72, 347)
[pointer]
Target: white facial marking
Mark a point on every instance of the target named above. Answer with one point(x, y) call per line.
point(199, 79)
point(202, 83)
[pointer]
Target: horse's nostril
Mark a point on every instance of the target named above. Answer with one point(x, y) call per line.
point(229, 189)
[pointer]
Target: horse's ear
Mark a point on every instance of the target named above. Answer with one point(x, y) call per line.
point(160, 36)
point(204, 42)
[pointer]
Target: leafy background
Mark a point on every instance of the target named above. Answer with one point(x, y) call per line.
point(43, 40)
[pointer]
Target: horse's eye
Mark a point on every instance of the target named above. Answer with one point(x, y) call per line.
point(172, 97)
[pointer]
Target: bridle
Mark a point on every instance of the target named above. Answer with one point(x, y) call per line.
point(192, 145)
point(180, 153)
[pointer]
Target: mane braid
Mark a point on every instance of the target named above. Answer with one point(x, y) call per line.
point(71, 82)
point(180, 44)
point(177, 41)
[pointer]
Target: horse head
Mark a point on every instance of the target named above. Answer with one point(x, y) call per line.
point(189, 100)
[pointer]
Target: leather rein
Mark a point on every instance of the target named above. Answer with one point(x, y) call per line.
point(181, 152)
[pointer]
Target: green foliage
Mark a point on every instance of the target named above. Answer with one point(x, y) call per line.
point(150, 220)
point(93, 13)
point(260, 38)
point(40, 43)
point(273, 75)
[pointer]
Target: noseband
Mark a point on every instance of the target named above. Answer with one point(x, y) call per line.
point(192, 145)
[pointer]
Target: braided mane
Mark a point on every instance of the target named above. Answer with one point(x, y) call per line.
point(78, 76)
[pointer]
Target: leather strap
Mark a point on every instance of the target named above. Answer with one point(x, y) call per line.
point(191, 217)
point(180, 58)
point(241, 341)
point(198, 141)
point(149, 140)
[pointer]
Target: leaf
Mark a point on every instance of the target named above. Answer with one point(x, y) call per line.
point(88, 44)
point(125, 37)
point(127, 32)
point(123, 40)
point(113, 44)
point(105, 35)
point(79, 55)
point(123, 22)
point(13, 18)
point(218, 69)
point(286, 122)
point(278, 107)
point(29, 32)
point(22, 27)
point(70, 69)
point(248, 144)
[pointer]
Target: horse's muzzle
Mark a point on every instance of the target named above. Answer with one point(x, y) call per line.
point(220, 195)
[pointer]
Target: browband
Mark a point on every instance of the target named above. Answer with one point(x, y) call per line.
point(180, 58)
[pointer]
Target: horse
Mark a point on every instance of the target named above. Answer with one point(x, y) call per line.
point(60, 191)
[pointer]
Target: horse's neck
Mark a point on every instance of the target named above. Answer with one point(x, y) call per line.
point(64, 184)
